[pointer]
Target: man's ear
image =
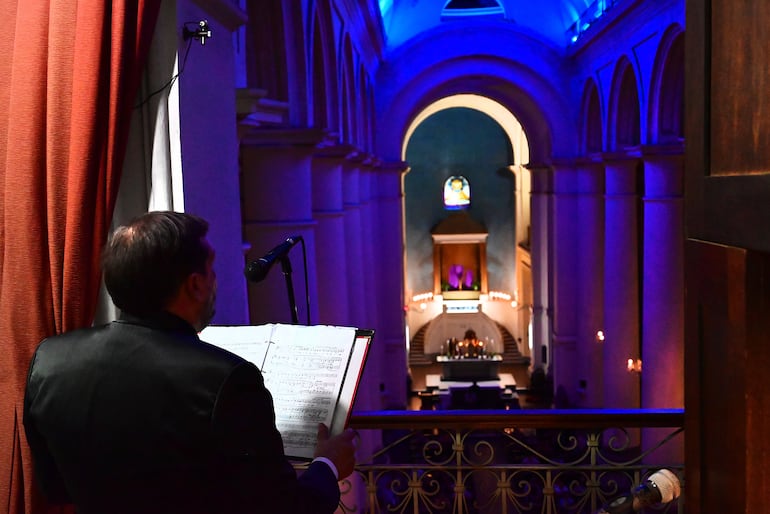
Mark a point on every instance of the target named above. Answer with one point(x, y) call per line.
point(195, 283)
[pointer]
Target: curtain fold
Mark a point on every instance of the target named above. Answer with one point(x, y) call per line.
point(68, 80)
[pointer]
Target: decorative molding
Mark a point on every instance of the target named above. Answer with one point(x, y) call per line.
point(281, 137)
point(253, 109)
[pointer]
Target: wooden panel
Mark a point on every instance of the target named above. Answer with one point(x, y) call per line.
point(727, 355)
point(740, 87)
point(714, 404)
point(727, 198)
point(727, 117)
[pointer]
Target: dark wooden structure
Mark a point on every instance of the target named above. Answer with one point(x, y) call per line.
point(727, 329)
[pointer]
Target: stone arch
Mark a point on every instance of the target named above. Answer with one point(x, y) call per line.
point(666, 105)
point(323, 66)
point(624, 115)
point(542, 117)
point(507, 120)
point(591, 137)
point(361, 114)
point(370, 120)
point(265, 41)
point(347, 92)
point(448, 60)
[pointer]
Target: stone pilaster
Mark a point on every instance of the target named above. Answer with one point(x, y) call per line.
point(590, 281)
point(663, 286)
point(277, 204)
point(564, 285)
point(542, 180)
point(621, 280)
point(330, 256)
point(351, 193)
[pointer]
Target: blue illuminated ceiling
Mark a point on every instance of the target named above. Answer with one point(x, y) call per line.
point(558, 22)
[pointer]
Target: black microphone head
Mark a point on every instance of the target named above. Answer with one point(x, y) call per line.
point(256, 271)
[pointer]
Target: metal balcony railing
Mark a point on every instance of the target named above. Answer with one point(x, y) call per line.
point(506, 462)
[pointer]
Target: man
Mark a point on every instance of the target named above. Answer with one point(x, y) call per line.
point(141, 416)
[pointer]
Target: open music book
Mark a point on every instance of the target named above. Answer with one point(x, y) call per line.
point(312, 372)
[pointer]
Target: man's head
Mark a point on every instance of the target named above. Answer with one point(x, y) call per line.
point(162, 261)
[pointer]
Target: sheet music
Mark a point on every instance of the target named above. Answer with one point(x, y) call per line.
point(304, 369)
point(304, 372)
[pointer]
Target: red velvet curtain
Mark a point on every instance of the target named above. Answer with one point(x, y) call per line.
point(69, 72)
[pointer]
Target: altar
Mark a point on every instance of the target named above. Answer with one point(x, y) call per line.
point(470, 369)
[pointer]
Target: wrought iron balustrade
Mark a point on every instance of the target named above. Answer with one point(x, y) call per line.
point(506, 462)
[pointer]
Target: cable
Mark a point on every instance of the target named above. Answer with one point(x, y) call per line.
point(307, 288)
point(168, 84)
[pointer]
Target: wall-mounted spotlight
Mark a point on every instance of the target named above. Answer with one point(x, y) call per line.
point(200, 31)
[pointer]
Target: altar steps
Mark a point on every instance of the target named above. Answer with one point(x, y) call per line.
point(418, 357)
point(511, 353)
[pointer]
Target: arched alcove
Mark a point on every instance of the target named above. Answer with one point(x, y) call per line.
point(624, 129)
point(433, 236)
point(265, 42)
point(347, 79)
point(507, 121)
point(666, 118)
point(323, 72)
point(591, 137)
point(448, 62)
point(361, 106)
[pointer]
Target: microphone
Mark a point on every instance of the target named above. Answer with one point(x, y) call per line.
point(256, 271)
point(660, 488)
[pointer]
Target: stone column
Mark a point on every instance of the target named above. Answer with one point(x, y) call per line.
point(590, 281)
point(564, 356)
point(663, 286)
point(388, 277)
point(621, 280)
point(351, 195)
point(542, 179)
point(367, 204)
point(330, 256)
point(276, 189)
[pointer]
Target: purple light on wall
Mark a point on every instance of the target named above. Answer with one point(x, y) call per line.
point(455, 274)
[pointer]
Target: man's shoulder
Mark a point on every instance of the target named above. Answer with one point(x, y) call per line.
point(119, 338)
point(66, 339)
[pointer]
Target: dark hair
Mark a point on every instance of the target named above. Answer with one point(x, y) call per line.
point(470, 334)
point(145, 262)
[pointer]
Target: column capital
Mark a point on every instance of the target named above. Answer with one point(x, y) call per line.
point(591, 177)
point(282, 137)
point(356, 157)
point(333, 151)
point(563, 163)
point(564, 177)
point(663, 150)
point(591, 159)
point(630, 154)
point(664, 170)
point(542, 178)
point(254, 109)
point(370, 162)
point(397, 167)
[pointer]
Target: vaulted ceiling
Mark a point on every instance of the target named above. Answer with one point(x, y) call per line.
point(556, 22)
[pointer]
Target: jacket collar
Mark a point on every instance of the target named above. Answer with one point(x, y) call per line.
point(162, 321)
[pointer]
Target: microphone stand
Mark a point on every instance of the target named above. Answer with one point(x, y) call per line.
point(286, 269)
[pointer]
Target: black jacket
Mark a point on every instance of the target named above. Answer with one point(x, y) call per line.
point(140, 416)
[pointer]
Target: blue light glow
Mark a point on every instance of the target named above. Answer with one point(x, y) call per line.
point(386, 10)
point(595, 11)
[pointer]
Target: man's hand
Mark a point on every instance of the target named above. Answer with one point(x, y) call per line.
point(339, 449)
